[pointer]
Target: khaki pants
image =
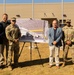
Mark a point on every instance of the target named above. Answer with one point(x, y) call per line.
point(6, 45)
point(54, 50)
point(1, 56)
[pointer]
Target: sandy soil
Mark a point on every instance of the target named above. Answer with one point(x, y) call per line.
point(38, 66)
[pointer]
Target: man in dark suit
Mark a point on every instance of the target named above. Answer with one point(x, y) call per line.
point(55, 35)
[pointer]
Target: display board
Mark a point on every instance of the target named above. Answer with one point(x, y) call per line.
point(33, 29)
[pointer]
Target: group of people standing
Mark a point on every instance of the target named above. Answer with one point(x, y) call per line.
point(9, 37)
point(60, 37)
point(10, 34)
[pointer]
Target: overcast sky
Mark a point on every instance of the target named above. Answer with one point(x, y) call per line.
point(35, 1)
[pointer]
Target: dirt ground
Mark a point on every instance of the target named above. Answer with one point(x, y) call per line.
point(38, 66)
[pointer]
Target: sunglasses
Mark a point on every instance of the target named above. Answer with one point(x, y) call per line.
point(14, 20)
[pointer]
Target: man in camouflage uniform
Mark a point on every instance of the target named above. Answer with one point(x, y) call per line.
point(68, 41)
point(13, 34)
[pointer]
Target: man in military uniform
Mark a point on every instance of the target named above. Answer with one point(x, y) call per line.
point(68, 40)
point(5, 22)
point(13, 34)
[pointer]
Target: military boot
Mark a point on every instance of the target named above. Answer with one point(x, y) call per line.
point(64, 63)
point(9, 68)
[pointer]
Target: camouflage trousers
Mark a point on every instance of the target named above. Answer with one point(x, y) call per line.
point(13, 50)
point(66, 49)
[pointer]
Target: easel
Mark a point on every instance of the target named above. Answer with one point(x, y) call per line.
point(31, 50)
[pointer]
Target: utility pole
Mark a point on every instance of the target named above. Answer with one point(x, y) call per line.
point(32, 8)
point(62, 10)
point(4, 6)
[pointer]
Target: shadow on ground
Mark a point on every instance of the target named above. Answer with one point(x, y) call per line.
point(34, 62)
point(41, 62)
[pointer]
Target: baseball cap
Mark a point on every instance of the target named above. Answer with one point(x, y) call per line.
point(68, 21)
point(13, 18)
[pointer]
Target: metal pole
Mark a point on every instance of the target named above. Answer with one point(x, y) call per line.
point(32, 8)
point(62, 8)
point(4, 6)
